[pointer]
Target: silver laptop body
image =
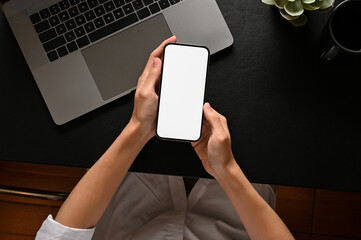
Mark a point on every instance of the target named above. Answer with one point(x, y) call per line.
point(108, 67)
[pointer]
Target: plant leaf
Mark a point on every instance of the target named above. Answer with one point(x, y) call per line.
point(300, 21)
point(308, 1)
point(268, 2)
point(317, 3)
point(285, 15)
point(310, 7)
point(280, 3)
point(327, 4)
point(325, 9)
point(294, 8)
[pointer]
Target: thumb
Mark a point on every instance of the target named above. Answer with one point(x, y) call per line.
point(212, 117)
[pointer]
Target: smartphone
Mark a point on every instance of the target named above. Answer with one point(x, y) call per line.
point(182, 92)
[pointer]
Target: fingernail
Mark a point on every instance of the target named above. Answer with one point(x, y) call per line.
point(207, 105)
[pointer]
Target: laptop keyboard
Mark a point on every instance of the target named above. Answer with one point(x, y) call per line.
point(73, 24)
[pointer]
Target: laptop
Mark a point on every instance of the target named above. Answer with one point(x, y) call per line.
point(84, 54)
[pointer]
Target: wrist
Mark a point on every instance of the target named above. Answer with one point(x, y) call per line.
point(228, 170)
point(138, 132)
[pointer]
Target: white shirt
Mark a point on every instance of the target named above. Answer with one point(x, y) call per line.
point(148, 206)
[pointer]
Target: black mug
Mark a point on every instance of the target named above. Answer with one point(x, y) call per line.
point(343, 30)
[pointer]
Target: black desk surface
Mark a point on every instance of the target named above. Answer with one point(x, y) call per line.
point(293, 121)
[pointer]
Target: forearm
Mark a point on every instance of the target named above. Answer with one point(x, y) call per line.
point(259, 219)
point(91, 196)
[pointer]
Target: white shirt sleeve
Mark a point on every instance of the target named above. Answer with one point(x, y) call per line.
point(51, 229)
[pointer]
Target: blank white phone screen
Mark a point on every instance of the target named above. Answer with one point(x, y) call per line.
point(182, 92)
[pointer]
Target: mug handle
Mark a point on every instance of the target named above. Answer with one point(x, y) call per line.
point(327, 56)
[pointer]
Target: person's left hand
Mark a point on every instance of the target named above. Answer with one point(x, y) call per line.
point(146, 97)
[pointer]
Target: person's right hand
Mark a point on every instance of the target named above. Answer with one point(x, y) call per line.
point(214, 147)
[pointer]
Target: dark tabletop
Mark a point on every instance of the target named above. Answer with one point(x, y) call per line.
point(293, 120)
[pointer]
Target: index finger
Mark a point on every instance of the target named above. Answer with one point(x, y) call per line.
point(154, 75)
point(157, 53)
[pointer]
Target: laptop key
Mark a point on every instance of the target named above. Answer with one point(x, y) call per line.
point(128, 8)
point(174, 1)
point(118, 13)
point(79, 31)
point(47, 35)
point(113, 27)
point(154, 8)
point(109, 6)
point(143, 13)
point(83, 7)
point(42, 26)
point(73, 11)
point(52, 56)
point(93, 3)
point(80, 20)
point(54, 9)
point(54, 20)
point(99, 22)
point(64, 4)
point(82, 42)
point(64, 16)
point(147, 2)
point(119, 3)
point(89, 27)
point(70, 24)
point(62, 51)
point(35, 18)
point(44, 13)
point(164, 4)
point(60, 29)
point(99, 11)
point(72, 47)
point(89, 15)
point(138, 4)
point(70, 36)
point(103, 1)
point(74, 2)
point(53, 44)
point(108, 18)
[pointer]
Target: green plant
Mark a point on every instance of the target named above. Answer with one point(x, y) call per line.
point(293, 10)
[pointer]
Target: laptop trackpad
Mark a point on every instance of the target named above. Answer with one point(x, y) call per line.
point(117, 62)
